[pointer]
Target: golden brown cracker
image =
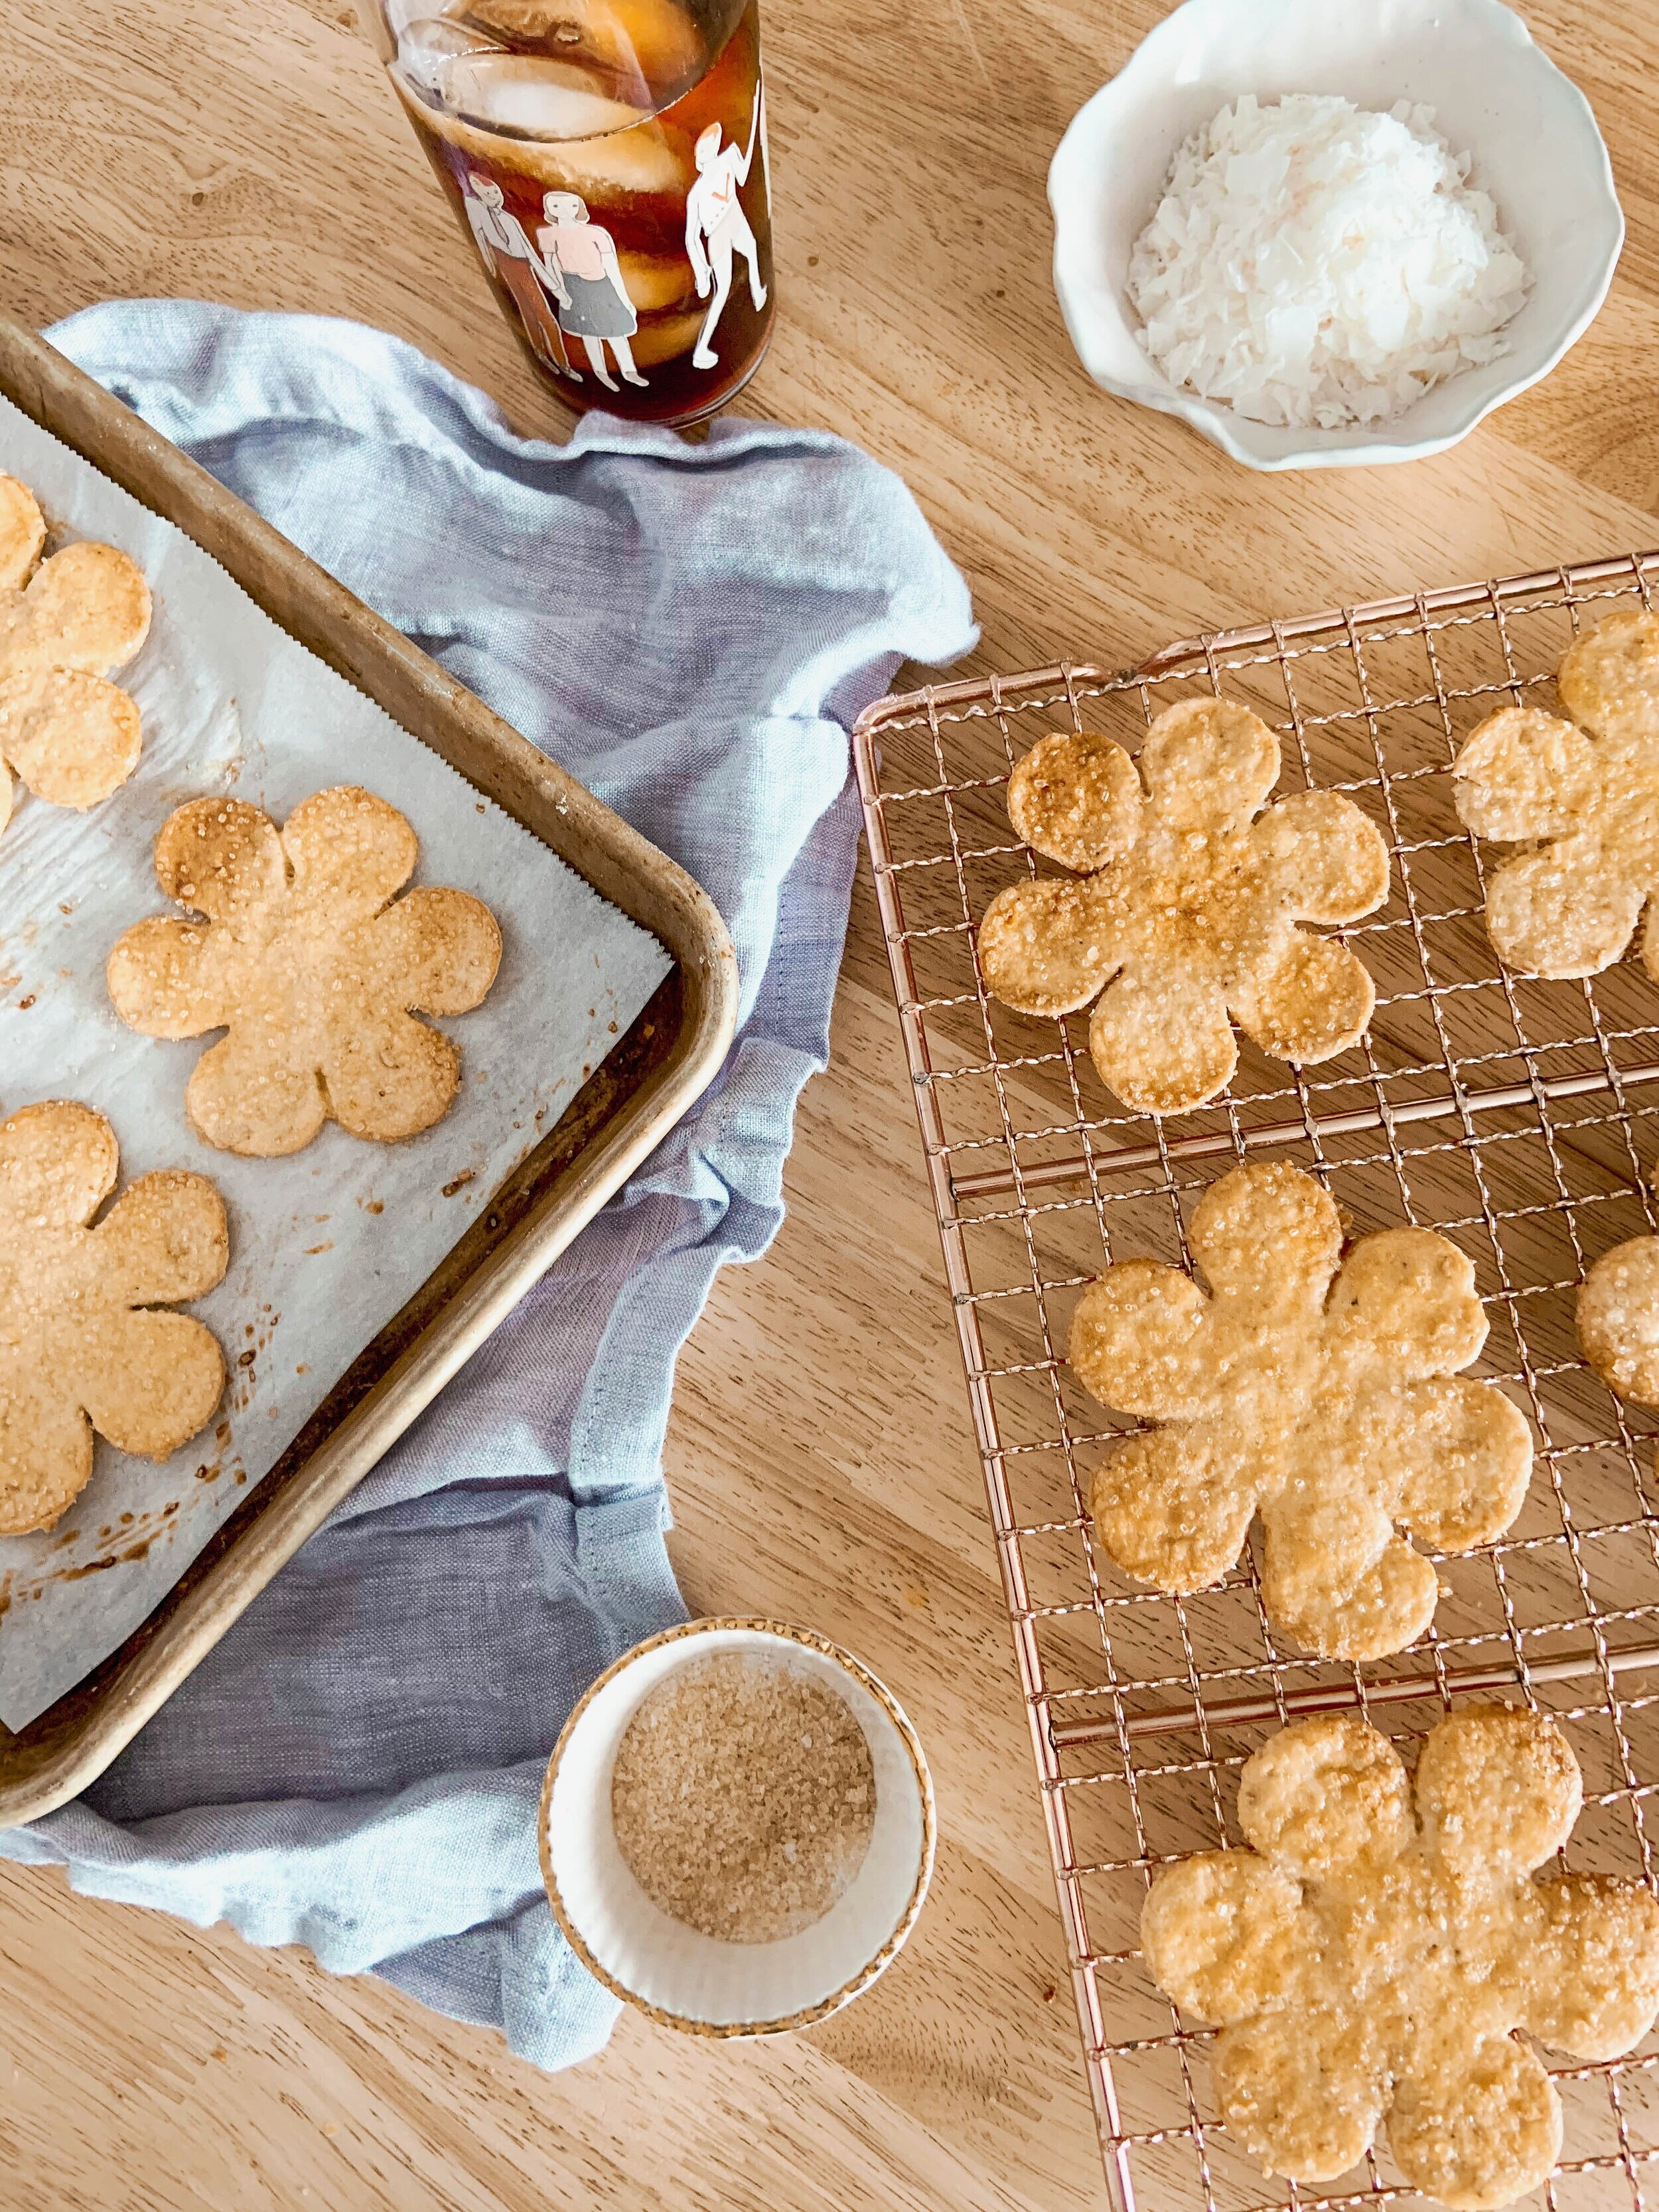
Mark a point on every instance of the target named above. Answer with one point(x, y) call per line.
point(1373, 1955)
point(1618, 1319)
point(312, 965)
point(1325, 1396)
point(23, 533)
point(65, 625)
point(1585, 794)
point(1076, 798)
point(81, 1346)
point(1189, 904)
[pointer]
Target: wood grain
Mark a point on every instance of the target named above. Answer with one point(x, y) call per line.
point(819, 1459)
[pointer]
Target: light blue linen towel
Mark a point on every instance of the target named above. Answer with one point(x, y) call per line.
point(688, 628)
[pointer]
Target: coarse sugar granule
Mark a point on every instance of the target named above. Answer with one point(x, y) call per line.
point(743, 1797)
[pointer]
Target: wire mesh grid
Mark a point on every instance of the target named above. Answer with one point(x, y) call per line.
point(1517, 1116)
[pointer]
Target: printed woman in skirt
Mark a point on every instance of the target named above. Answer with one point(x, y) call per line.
point(579, 261)
point(511, 259)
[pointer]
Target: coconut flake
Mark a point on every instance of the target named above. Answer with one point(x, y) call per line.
point(1315, 263)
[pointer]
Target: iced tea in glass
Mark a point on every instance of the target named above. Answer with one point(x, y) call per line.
point(608, 158)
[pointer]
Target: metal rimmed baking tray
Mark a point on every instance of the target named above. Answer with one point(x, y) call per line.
point(655, 1071)
point(1517, 1116)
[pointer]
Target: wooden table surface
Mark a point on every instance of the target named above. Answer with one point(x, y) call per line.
point(255, 155)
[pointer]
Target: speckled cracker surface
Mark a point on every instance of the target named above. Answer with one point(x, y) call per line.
point(297, 942)
point(66, 622)
point(1618, 1318)
point(85, 1344)
point(1323, 1392)
point(1184, 909)
point(1585, 794)
point(327, 1244)
point(1370, 1958)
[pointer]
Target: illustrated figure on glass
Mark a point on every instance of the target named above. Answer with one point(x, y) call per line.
point(578, 262)
point(509, 256)
point(716, 227)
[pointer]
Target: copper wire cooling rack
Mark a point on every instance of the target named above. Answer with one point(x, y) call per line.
point(1515, 1115)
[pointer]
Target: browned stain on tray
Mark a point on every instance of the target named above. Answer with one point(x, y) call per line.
point(96, 1566)
point(132, 1534)
point(242, 1385)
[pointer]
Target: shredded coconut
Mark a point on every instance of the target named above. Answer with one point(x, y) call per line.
point(1312, 263)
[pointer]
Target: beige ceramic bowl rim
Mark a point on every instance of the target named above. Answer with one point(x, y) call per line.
point(810, 1640)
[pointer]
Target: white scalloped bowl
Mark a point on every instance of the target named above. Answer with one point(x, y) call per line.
point(1536, 149)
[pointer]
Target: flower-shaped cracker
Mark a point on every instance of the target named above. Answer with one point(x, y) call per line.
point(81, 1347)
point(1327, 1397)
point(1361, 1962)
point(1187, 906)
point(64, 624)
point(313, 964)
point(1591, 802)
point(1618, 1319)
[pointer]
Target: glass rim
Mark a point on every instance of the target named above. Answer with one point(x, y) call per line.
point(426, 97)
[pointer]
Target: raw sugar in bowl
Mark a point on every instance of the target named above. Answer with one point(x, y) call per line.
point(1535, 152)
point(736, 1828)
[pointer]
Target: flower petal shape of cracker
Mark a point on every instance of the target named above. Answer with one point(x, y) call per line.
point(1372, 1955)
point(82, 1346)
point(1585, 794)
point(65, 623)
point(307, 957)
point(1184, 906)
point(1325, 1396)
point(1618, 1315)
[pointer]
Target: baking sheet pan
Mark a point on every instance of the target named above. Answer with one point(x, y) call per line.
point(667, 1056)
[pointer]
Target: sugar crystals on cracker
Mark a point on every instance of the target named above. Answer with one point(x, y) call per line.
point(1584, 794)
point(301, 949)
point(1323, 1393)
point(66, 624)
point(83, 1345)
point(1370, 1959)
point(1184, 907)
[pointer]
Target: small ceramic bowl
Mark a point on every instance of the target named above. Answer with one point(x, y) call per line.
point(1494, 95)
point(679, 1976)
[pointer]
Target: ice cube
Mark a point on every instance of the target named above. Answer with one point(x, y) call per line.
point(542, 99)
point(650, 51)
point(518, 94)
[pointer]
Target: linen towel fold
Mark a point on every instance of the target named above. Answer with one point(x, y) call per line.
point(690, 629)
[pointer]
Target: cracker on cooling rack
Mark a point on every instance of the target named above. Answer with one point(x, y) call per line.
point(1183, 906)
point(1372, 1957)
point(81, 1346)
point(1618, 1317)
point(315, 967)
point(1323, 1393)
point(1585, 792)
point(65, 623)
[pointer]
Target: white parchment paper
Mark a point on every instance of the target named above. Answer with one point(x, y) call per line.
point(327, 1245)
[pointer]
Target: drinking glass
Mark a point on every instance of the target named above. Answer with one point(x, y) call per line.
point(608, 159)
